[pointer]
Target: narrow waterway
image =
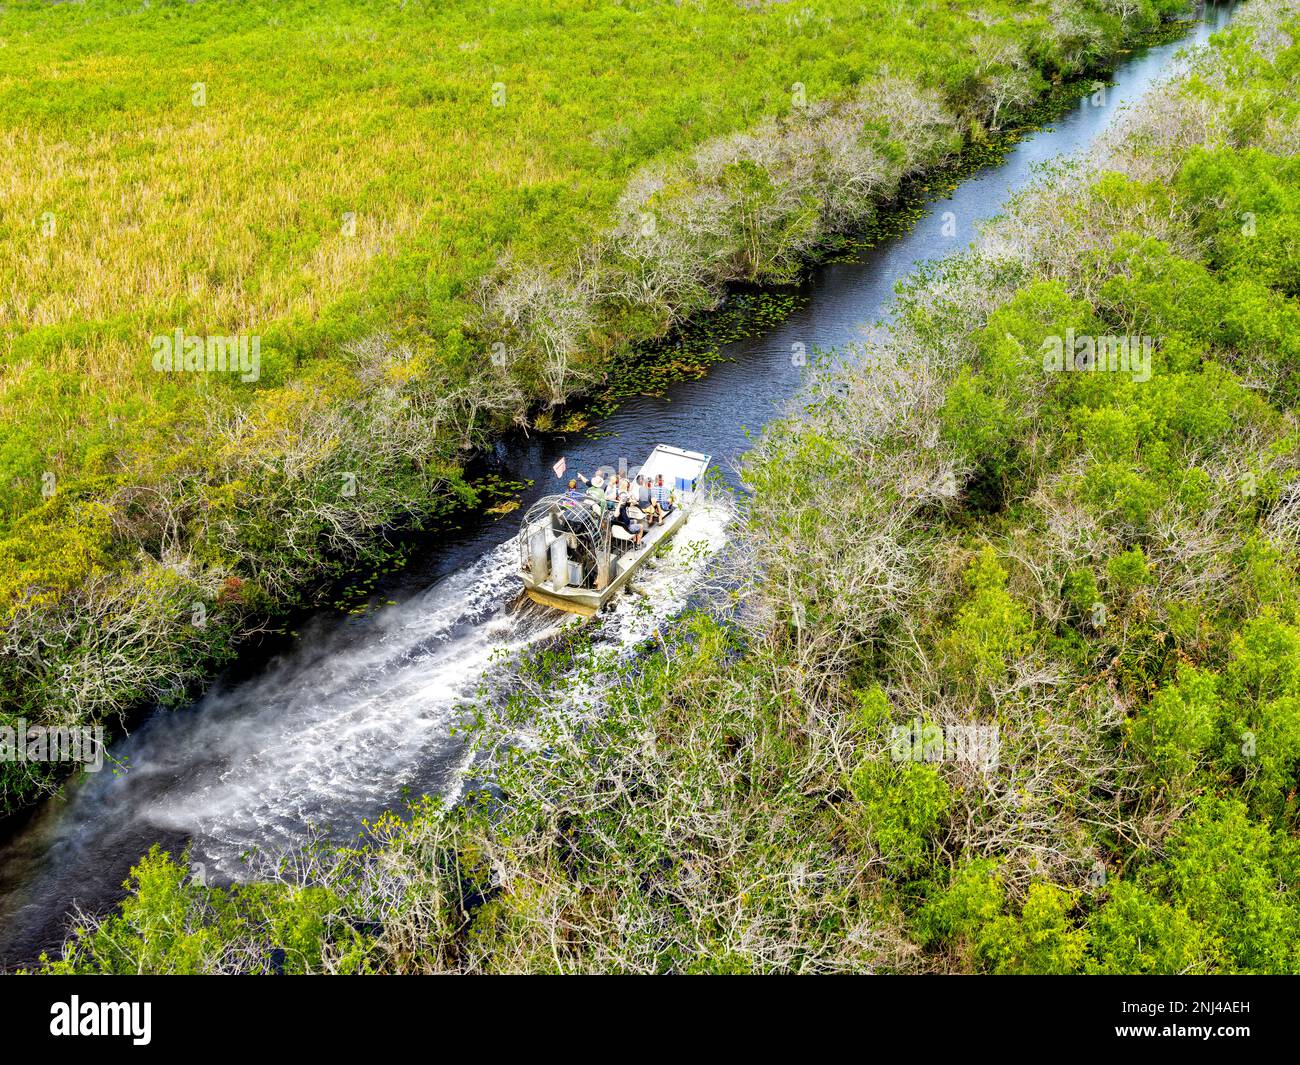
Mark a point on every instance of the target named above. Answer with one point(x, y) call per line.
point(356, 714)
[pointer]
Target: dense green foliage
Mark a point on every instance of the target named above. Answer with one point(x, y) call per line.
point(382, 195)
point(1098, 568)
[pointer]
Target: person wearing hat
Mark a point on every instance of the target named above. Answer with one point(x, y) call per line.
point(595, 495)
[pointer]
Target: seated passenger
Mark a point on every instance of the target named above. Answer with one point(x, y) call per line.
point(574, 493)
point(623, 517)
point(662, 496)
point(640, 521)
point(654, 512)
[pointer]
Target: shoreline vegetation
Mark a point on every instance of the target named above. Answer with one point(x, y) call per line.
point(1037, 710)
point(148, 525)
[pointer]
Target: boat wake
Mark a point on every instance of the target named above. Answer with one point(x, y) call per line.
point(358, 718)
point(350, 723)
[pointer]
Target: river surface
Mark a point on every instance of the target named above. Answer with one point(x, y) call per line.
point(355, 714)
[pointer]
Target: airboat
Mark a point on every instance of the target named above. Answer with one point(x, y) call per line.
point(572, 556)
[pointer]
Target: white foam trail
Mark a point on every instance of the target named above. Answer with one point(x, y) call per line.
point(334, 734)
point(667, 583)
point(669, 579)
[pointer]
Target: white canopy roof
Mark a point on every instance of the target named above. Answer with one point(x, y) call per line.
point(676, 466)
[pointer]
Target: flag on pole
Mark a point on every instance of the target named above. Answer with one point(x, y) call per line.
point(560, 467)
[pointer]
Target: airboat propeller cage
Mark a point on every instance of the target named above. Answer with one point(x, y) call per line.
point(574, 557)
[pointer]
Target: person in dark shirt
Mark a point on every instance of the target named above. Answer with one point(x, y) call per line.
point(623, 517)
